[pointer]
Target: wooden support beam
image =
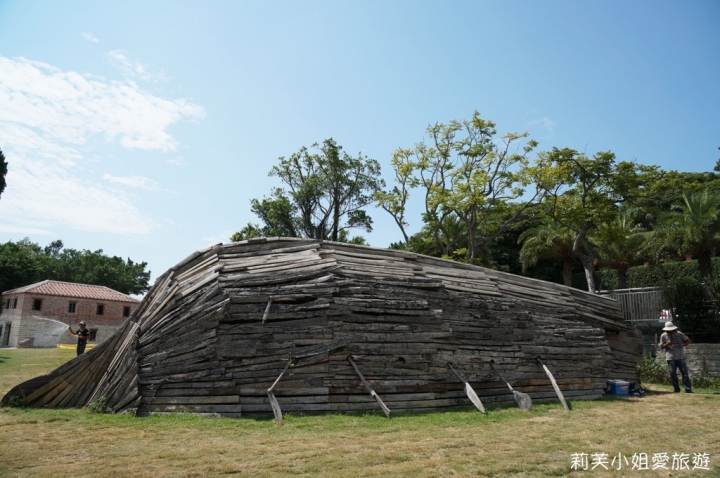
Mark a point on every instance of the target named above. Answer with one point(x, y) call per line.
point(370, 390)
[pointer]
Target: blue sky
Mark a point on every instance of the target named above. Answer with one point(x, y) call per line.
point(145, 128)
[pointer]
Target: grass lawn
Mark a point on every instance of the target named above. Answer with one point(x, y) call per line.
point(505, 442)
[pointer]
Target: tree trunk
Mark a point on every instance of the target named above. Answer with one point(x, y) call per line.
point(336, 220)
point(567, 268)
point(587, 258)
point(588, 266)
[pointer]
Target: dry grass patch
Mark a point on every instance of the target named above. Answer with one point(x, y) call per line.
point(506, 442)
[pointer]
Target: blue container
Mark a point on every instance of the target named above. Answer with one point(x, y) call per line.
point(618, 388)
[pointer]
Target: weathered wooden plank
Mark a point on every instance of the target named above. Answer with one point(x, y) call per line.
point(193, 400)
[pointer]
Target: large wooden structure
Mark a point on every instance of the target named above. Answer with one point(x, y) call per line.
point(216, 331)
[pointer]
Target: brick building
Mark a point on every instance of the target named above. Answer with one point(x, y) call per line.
point(37, 315)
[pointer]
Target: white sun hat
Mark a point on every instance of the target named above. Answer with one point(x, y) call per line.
point(669, 326)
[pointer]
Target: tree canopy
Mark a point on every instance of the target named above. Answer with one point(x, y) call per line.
point(499, 201)
point(325, 192)
point(467, 180)
point(25, 262)
point(691, 228)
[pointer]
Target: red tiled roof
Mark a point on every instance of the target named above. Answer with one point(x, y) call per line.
point(70, 289)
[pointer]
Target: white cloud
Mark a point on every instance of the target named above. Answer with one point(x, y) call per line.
point(49, 120)
point(140, 182)
point(69, 107)
point(90, 37)
point(178, 161)
point(545, 122)
point(135, 70)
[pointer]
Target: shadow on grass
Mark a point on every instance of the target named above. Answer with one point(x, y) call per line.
point(649, 392)
point(667, 390)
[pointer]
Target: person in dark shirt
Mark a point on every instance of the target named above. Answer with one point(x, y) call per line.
point(83, 335)
point(673, 342)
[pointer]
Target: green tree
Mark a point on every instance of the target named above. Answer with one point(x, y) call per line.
point(582, 194)
point(326, 192)
point(465, 176)
point(661, 190)
point(21, 263)
point(619, 244)
point(549, 240)
point(248, 232)
point(395, 200)
point(3, 172)
point(96, 268)
point(691, 228)
point(25, 262)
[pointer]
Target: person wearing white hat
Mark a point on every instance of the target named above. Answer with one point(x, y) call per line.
point(673, 342)
point(82, 335)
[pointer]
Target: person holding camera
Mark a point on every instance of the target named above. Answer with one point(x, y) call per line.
point(673, 342)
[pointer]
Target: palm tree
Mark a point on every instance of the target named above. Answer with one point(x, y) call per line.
point(548, 241)
point(619, 244)
point(691, 228)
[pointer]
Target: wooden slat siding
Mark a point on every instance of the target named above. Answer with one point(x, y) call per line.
point(95, 371)
point(260, 263)
point(120, 390)
point(49, 386)
point(227, 257)
point(119, 364)
point(62, 397)
point(188, 289)
point(78, 369)
point(201, 266)
point(160, 285)
point(401, 315)
point(166, 297)
point(365, 259)
point(178, 318)
point(51, 394)
point(196, 258)
point(249, 280)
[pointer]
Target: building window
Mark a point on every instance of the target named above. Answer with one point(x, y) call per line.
point(71, 308)
point(100, 309)
point(7, 304)
point(37, 304)
point(93, 334)
point(15, 303)
point(126, 311)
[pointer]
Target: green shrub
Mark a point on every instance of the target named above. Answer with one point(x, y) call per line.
point(654, 275)
point(652, 370)
point(705, 379)
point(100, 406)
point(18, 401)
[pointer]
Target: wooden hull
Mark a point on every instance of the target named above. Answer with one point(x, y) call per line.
point(215, 331)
